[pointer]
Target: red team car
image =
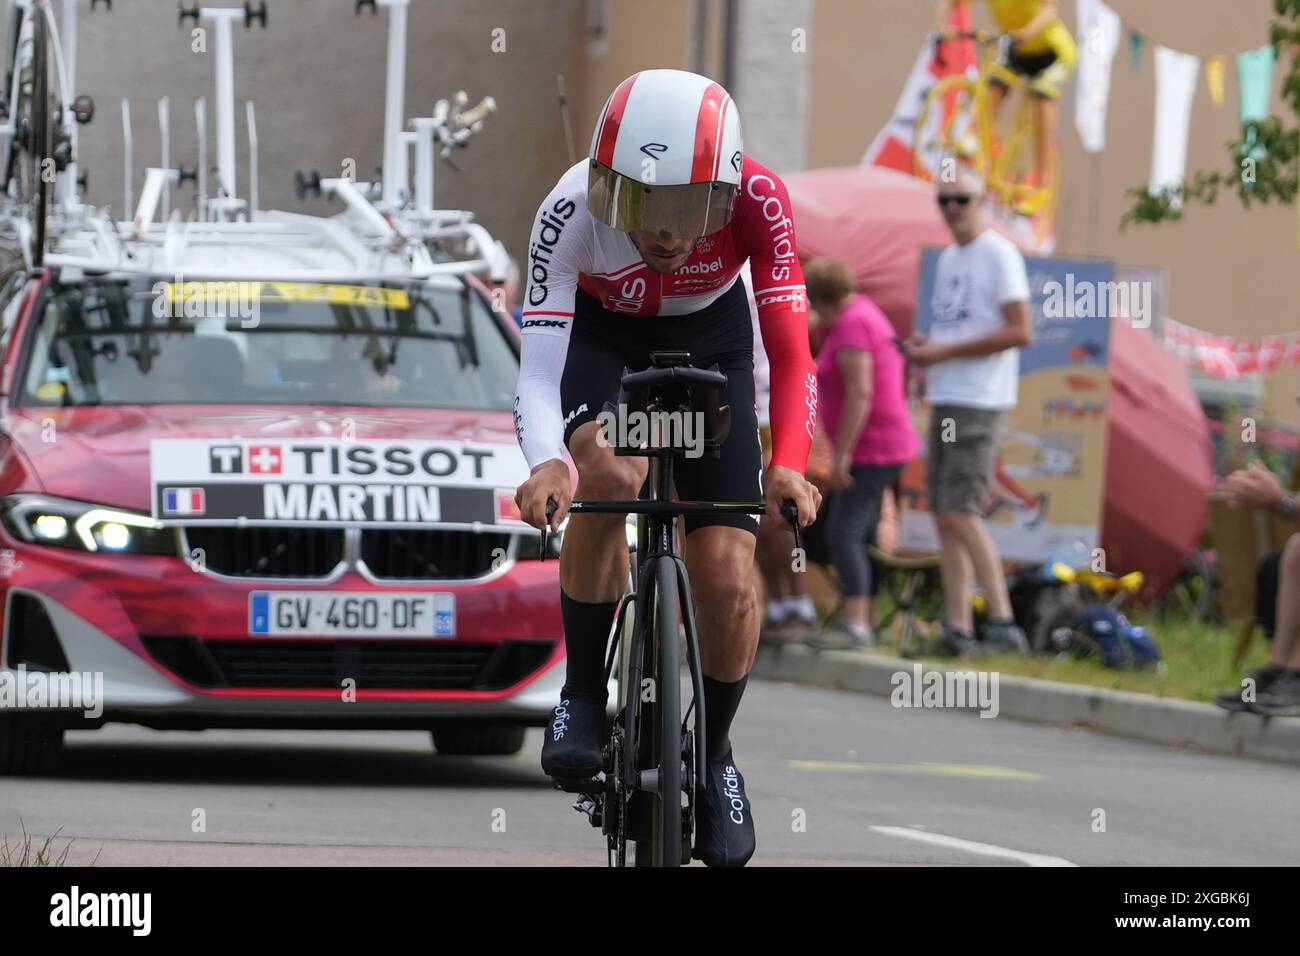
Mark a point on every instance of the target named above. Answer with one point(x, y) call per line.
point(291, 509)
point(257, 468)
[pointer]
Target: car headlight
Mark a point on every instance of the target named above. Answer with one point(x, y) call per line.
point(83, 526)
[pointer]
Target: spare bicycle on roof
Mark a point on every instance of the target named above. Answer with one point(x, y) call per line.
point(389, 228)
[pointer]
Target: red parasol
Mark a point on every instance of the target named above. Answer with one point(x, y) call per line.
point(876, 221)
point(1158, 460)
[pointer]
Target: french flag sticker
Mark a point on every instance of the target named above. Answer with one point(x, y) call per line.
point(182, 501)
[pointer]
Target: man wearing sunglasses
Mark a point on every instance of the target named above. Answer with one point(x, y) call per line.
point(981, 318)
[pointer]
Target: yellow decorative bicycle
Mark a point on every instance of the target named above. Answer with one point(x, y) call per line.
point(957, 122)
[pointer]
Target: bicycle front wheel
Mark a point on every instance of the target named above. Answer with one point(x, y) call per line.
point(951, 125)
point(661, 726)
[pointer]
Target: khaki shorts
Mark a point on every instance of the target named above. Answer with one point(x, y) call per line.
point(959, 469)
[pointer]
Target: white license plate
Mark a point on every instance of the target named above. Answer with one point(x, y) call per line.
point(351, 614)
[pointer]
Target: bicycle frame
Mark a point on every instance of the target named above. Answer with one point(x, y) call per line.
point(638, 652)
point(637, 754)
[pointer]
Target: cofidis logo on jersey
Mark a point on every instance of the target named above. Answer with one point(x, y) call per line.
point(780, 226)
point(550, 227)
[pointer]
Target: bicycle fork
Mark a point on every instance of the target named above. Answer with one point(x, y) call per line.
point(641, 603)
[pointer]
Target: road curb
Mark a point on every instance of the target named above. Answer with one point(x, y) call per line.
point(1163, 720)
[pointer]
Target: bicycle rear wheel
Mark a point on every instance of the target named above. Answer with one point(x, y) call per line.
point(1015, 177)
point(660, 744)
point(40, 136)
point(29, 145)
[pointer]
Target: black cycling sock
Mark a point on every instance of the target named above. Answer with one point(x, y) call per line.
point(721, 699)
point(586, 637)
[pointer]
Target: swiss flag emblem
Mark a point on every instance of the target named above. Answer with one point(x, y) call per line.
point(264, 459)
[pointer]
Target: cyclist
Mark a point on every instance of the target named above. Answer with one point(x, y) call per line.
point(637, 249)
point(1042, 52)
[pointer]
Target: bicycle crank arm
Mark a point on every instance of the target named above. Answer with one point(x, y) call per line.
point(648, 780)
point(585, 786)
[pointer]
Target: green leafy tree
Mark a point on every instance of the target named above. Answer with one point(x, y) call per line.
point(1264, 161)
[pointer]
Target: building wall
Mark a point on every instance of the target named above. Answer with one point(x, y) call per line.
point(1230, 271)
point(643, 36)
point(774, 43)
point(317, 77)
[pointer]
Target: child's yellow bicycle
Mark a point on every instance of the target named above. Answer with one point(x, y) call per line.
point(957, 122)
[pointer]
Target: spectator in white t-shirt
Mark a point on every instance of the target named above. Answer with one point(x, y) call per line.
point(981, 318)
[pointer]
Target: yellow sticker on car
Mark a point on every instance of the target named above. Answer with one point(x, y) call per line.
point(212, 295)
point(336, 294)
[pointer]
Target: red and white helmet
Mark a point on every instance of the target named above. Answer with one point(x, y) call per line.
point(665, 155)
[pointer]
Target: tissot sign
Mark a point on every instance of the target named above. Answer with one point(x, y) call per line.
point(334, 482)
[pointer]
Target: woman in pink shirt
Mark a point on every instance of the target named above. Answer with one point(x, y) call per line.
point(862, 404)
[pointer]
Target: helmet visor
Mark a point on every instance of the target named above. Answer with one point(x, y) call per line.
point(683, 211)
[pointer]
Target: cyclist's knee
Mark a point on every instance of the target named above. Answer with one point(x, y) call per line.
point(720, 560)
point(731, 598)
point(602, 475)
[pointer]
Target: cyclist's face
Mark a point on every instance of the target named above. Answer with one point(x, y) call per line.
point(662, 251)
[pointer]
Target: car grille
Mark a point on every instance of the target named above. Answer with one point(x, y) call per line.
point(396, 554)
point(419, 554)
point(374, 665)
point(268, 552)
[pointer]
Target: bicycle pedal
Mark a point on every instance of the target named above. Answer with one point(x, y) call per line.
point(593, 809)
point(580, 785)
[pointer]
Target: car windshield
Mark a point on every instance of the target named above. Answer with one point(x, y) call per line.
point(269, 343)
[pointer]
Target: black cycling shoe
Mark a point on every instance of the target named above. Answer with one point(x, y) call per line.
point(724, 829)
point(574, 736)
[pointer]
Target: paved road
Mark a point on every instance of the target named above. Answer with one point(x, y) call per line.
point(871, 784)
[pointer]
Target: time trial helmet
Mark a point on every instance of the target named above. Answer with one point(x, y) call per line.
point(666, 155)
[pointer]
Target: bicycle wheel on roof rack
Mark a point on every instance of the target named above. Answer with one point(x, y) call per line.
point(28, 175)
point(11, 53)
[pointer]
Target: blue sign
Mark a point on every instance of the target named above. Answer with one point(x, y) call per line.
point(1073, 301)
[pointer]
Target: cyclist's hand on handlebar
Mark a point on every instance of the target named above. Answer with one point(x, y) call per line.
point(782, 483)
point(549, 480)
